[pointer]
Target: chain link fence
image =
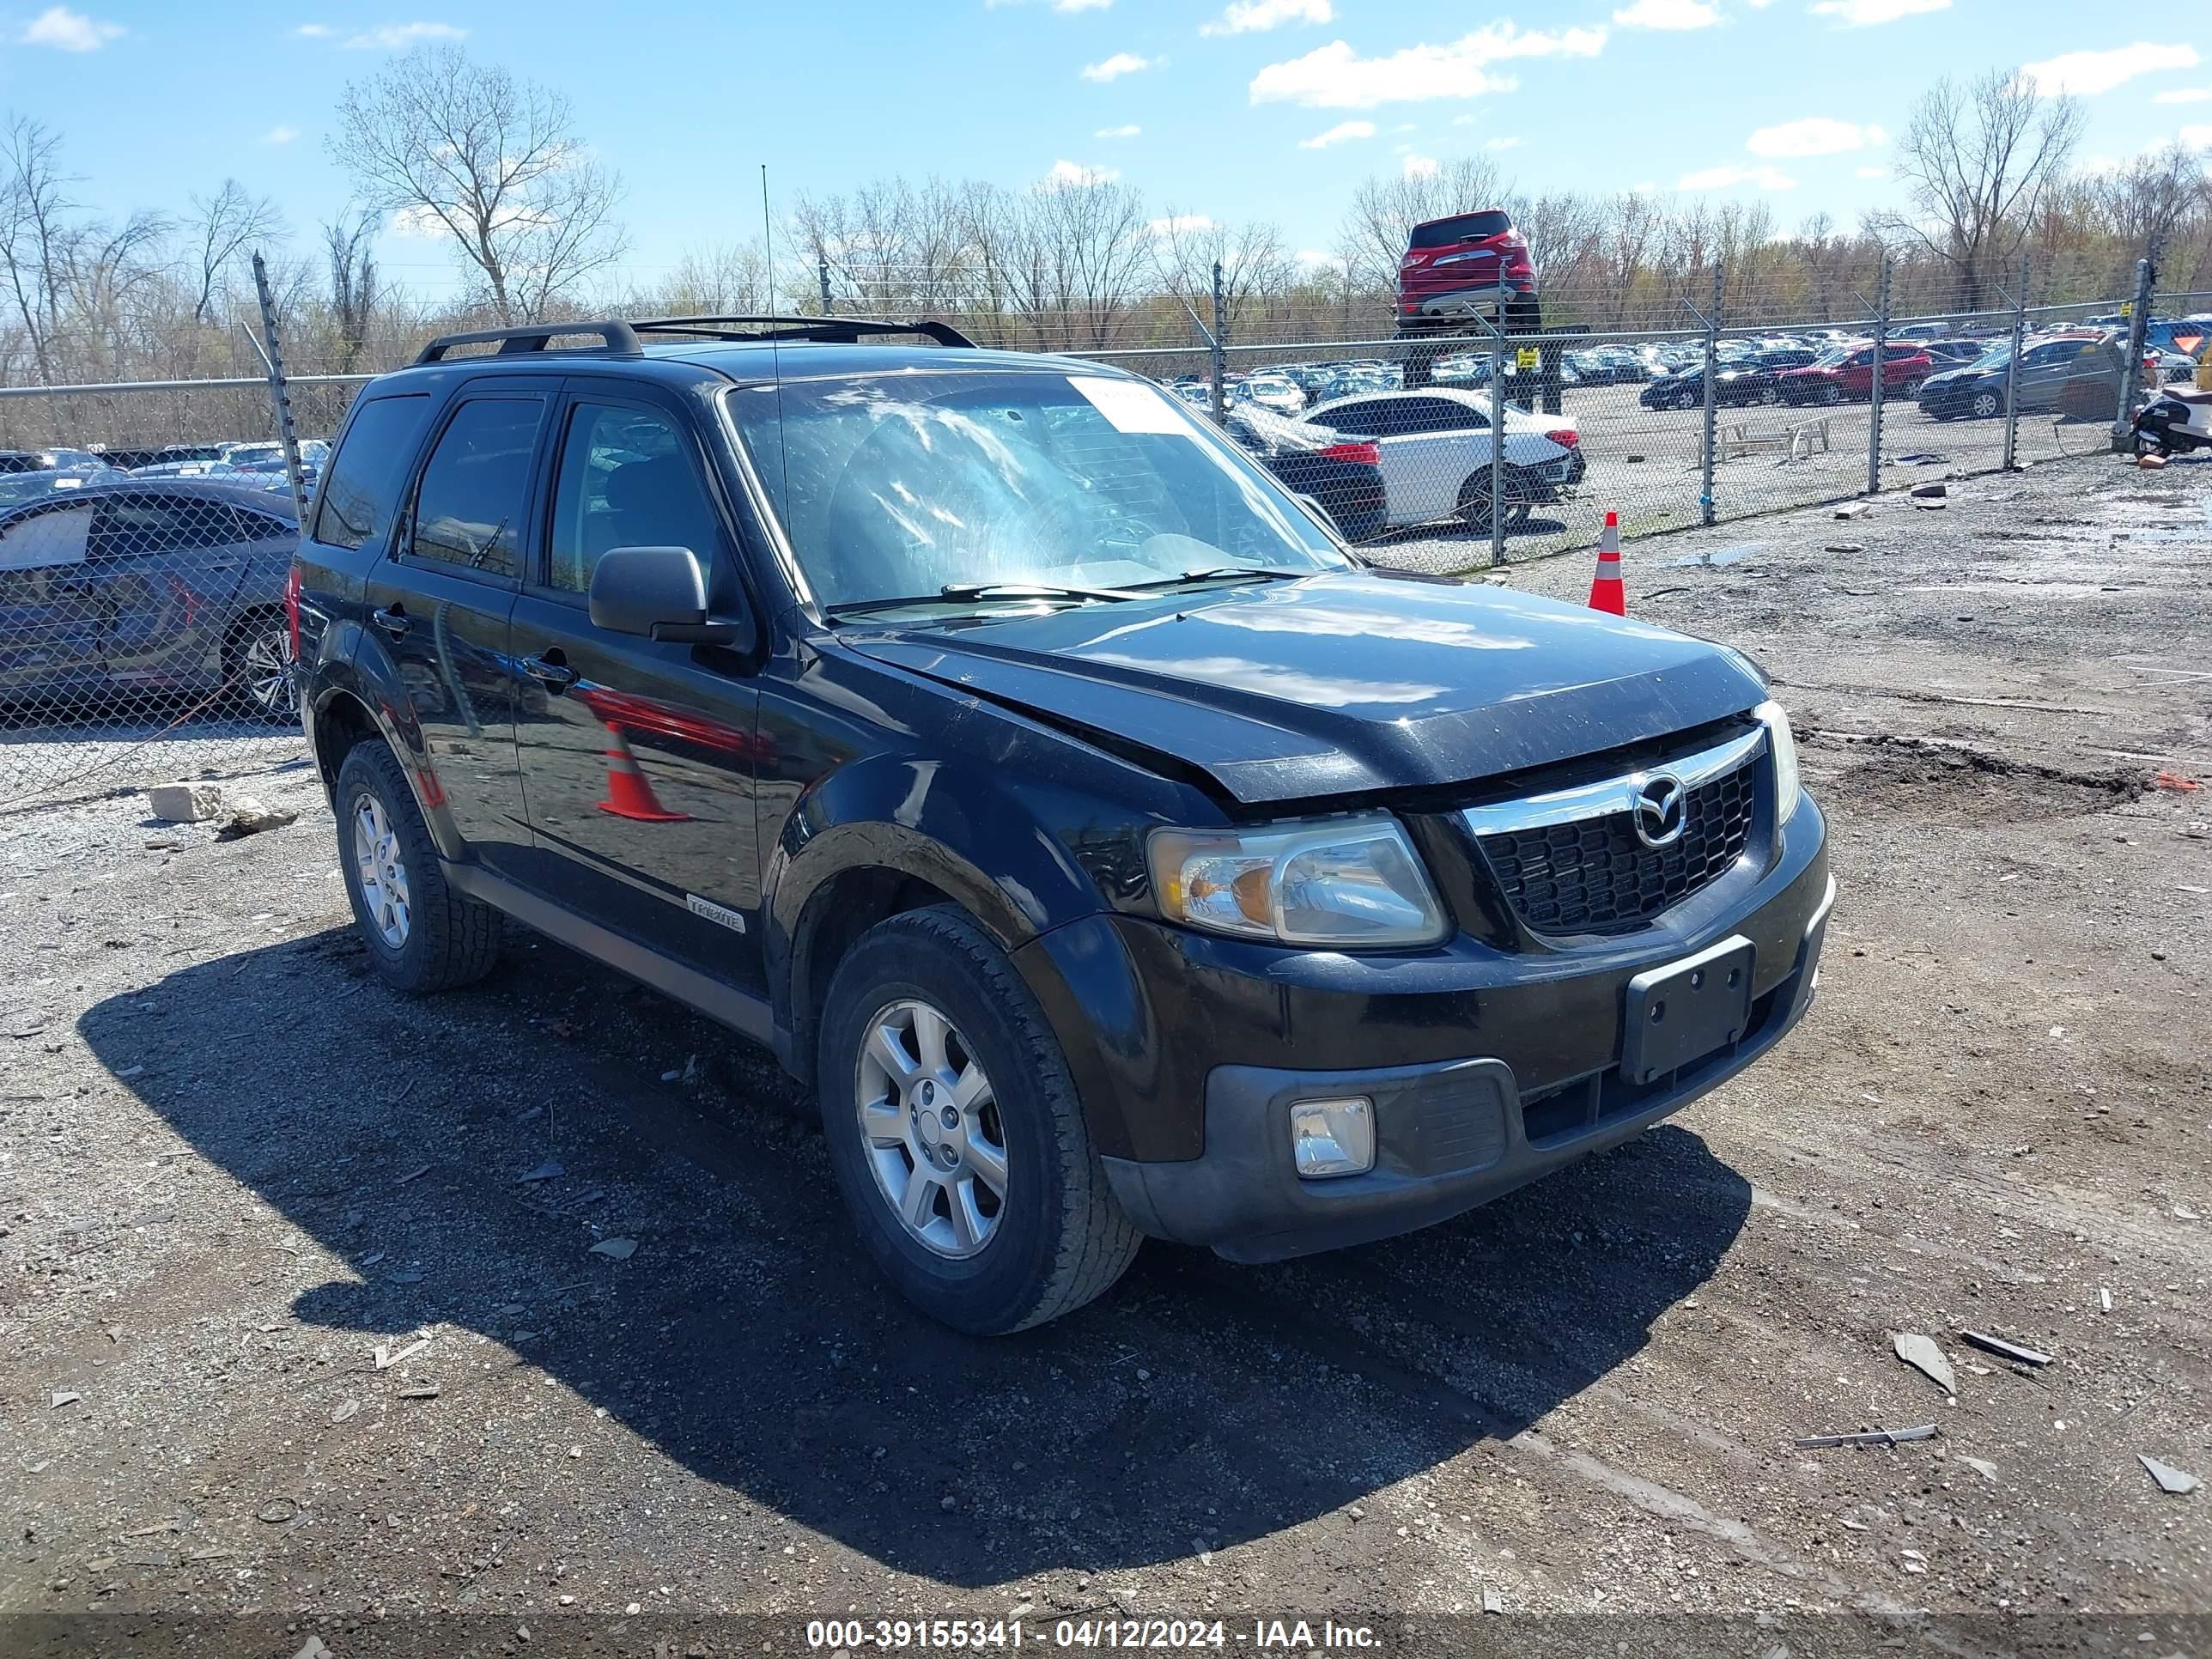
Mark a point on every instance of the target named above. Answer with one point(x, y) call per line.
point(146, 529)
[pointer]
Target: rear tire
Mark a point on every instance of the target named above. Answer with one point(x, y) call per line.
point(422, 935)
point(959, 1143)
point(258, 666)
point(1474, 509)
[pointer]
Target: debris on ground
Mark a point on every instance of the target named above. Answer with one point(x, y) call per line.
point(429, 1391)
point(620, 1249)
point(1982, 1467)
point(66, 1396)
point(386, 1359)
point(1853, 509)
point(1931, 492)
point(2150, 463)
point(1845, 547)
point(1865, 1437)
point(249, 817)
point(416, 1174)
point(550, 1170)
point(184, 802)
point(344, 1409)
point(2179, 1482)
point(1923, 1355)
point(2176, 782)
point(2004, 1350)
point(1931, 502)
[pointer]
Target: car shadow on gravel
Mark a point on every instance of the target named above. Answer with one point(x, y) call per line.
point(1196, 1407)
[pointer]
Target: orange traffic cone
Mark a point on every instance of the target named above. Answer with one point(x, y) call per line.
point(1606, 590)
point(629, 794)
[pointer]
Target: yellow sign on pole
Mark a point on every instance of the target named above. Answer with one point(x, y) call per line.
point(1528, 358)
point(2127, 307)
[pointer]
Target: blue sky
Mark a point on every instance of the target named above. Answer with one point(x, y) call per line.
point(1229, 108)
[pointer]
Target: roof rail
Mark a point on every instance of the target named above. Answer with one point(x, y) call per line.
point(834, 330)
point(618, 339)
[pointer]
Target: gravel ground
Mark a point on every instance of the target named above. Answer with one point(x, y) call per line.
point(234, 1168)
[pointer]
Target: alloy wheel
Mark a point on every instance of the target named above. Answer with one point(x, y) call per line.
point(930, 1126)
point(381, 870)
point(265, 674)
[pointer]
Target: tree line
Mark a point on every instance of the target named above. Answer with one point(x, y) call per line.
point(492, 168)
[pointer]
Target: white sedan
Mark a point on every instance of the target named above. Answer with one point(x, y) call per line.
point(1435, 447)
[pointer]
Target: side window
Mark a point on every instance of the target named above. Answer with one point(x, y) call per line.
point(625, 480)
point(361, 490)
point(124, 526)
point(1861, 359)
point(266, 527)
point(470, 506)
point(47, 539)
point(1355, 420)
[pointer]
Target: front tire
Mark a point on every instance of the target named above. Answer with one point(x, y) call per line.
point(1986, 405)
point(422, 935)
point(954, 1134)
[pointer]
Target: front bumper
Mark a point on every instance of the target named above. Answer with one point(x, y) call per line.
point(1450, 1136)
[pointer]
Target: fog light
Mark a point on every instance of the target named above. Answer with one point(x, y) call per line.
point(1333, 1137)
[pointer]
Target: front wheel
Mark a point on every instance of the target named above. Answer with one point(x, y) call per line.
point(954, 1134)
point(1986, 405)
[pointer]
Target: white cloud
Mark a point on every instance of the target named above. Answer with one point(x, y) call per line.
point(313, 31)
point(280, 135)
point(1081, 5)
point(1668, 15)
point(1503, 143)
point(2196, 138)
point(1251, 16)
point(1130, 132)
point(1815, 135)
point(1074, 173)
point(1872, 172)
point(1863, 14)
point(1113, 68)
point(1180, 224)
point(1334, 77)
point(1422, 166)
point(2088, 73)
point(398, 37)
point(68, 31)
point(1728, 177)
point(2184, 96)
point(1341, 133)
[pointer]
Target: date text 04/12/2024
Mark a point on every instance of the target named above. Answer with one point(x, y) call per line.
point(1153, 1635)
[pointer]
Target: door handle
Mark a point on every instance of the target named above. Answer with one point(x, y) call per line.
point(554, 675)
point(393, 620)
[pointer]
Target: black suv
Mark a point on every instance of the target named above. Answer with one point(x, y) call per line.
point(1114, 853)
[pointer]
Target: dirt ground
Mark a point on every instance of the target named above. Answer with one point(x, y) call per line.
point(232, 1168)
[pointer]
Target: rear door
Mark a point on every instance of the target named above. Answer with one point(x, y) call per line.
point(167, 565)
point(439, 604)
point(637, 755)
point(50, 610)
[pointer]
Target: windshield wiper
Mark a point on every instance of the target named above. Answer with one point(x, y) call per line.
point(1229, 572)
point(960, 591)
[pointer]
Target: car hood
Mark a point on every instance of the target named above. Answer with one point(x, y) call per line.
point(1337, 684)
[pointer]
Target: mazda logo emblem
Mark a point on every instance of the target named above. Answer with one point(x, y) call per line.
point(1661, 809)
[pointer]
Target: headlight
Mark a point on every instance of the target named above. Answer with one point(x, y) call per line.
point(1349, 883)
point(1783, 742)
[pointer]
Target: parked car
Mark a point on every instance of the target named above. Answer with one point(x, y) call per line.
point(1746, 380)
point(1435, 447)
point(47, 460)
point(127, 586)
point(16, 488)
point(1111, 852)
point(1342, 474)
point(1955, 353)
point(2075, 372)
point(1846, 376)
point(1464, 266)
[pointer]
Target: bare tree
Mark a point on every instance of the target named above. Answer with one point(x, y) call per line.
point(726, 279)
point(1978, 160)
point(34, 233)
point(351, 242)
point(469, 152)
point(224, 228)
point(1255, 271)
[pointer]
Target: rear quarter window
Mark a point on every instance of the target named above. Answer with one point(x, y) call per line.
point(361, 490)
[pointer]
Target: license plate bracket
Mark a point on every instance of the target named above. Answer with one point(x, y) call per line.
point(1683, 1011)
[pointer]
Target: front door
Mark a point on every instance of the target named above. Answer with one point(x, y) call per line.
point(439, 604)
point(636, 755)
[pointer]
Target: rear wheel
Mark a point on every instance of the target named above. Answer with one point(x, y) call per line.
point(1830, 394)
point(1518, 495)
point(954, 1134)
point(257, 666)
point(422, 935)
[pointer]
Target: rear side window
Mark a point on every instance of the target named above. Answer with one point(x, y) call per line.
point(362, 491)
point(1464, 228)
point(476, 487)
point(624, 482)
point(128, 524)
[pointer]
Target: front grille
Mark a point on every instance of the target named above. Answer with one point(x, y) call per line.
point(1594, 876)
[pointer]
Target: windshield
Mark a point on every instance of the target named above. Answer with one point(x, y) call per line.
point(1995, 357)
point(899, 484)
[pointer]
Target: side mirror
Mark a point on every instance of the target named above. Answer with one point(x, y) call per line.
point(656, 592)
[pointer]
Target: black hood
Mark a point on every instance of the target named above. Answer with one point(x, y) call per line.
point(1339, 684)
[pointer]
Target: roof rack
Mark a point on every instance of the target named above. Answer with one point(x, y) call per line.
point(833, 331)
point(618, 339)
